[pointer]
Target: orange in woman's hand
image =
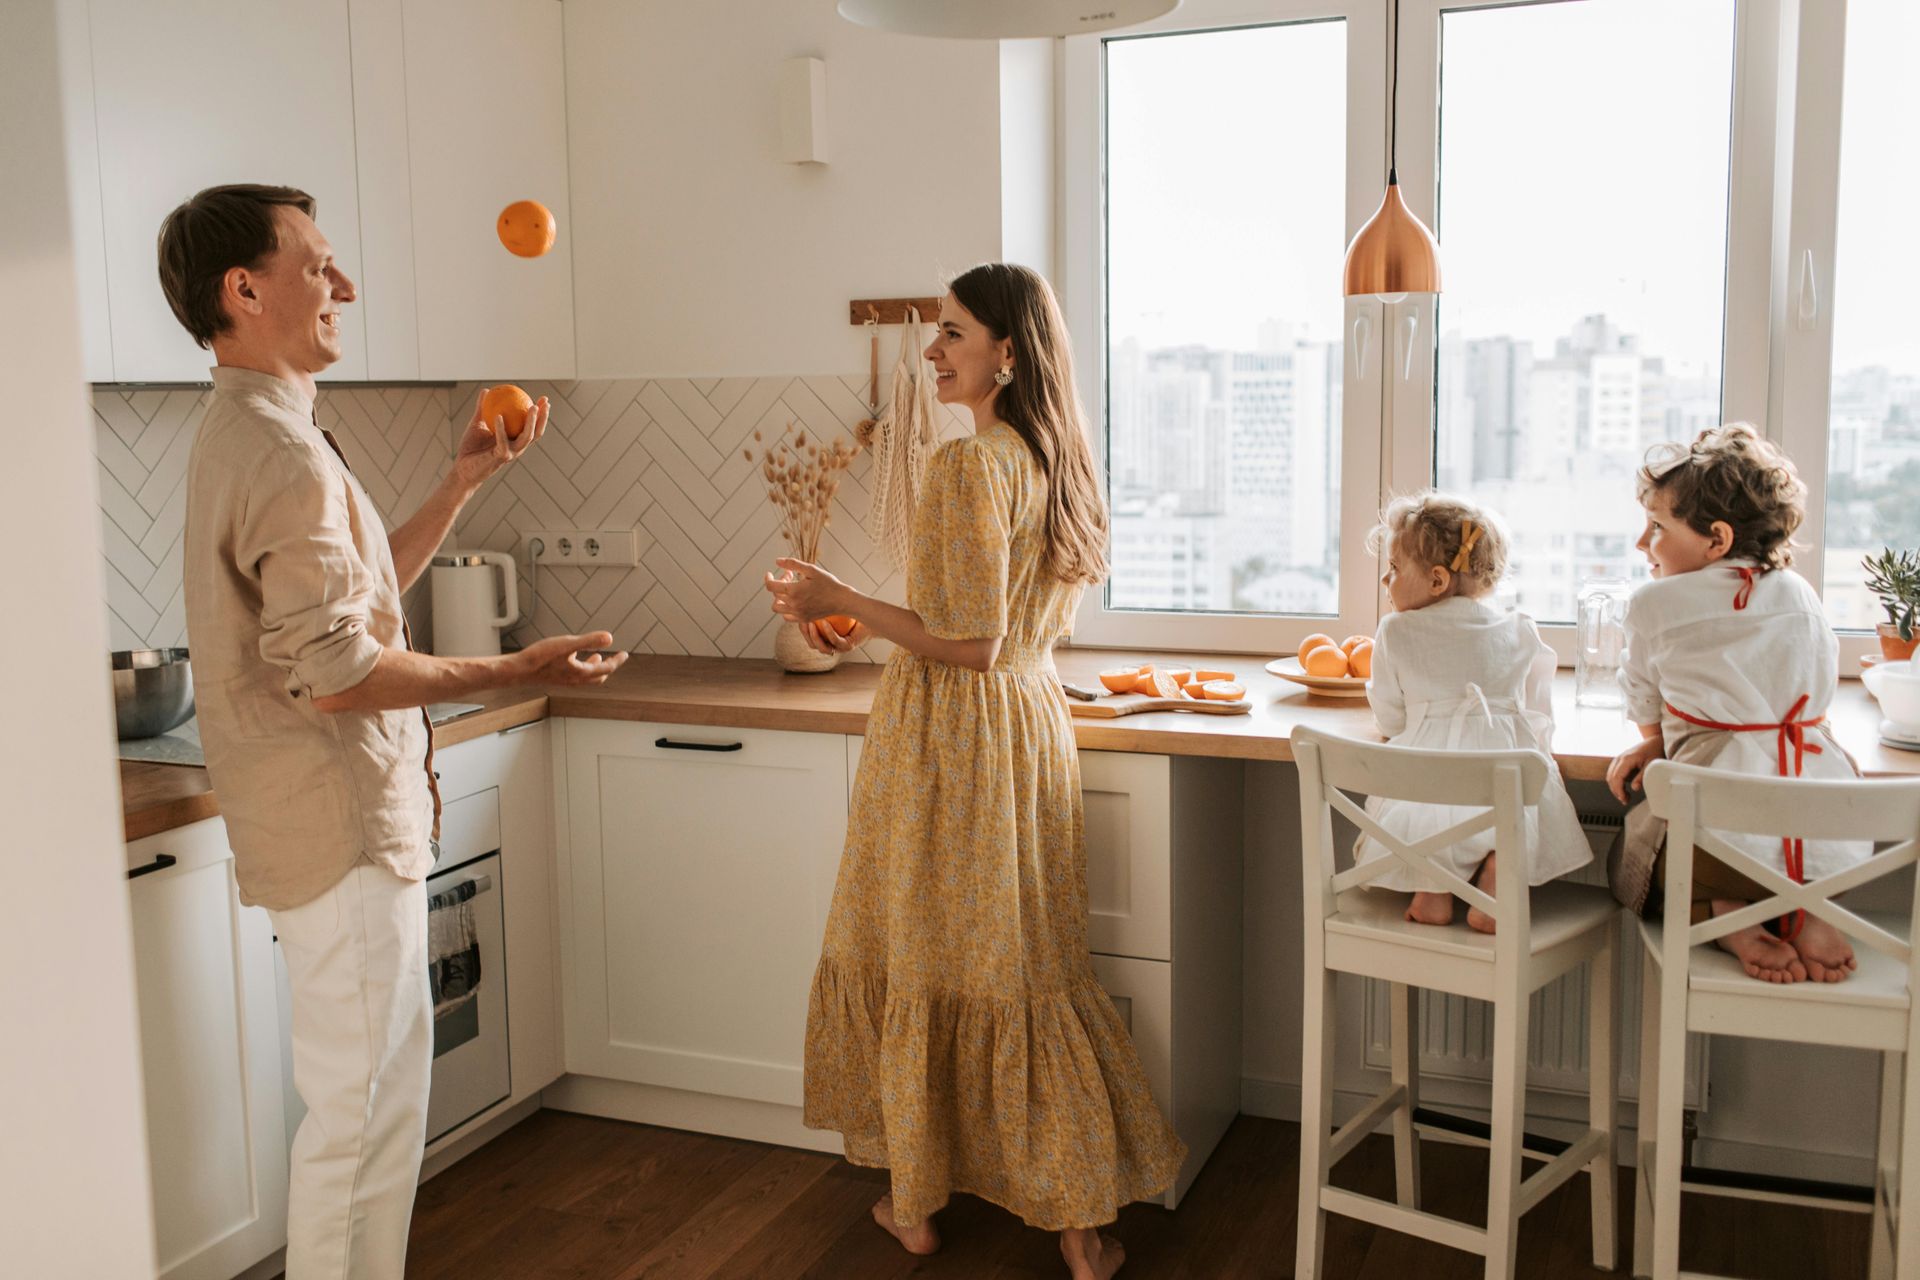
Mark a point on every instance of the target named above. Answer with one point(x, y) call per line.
point(841, 623)
point(1313, 642)
point(508, 403)
point(527, 228)
point(1325, 660)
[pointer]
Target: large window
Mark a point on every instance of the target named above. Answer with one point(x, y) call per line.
point(1584, 217)
point(1226, 178)
point(1873, 418)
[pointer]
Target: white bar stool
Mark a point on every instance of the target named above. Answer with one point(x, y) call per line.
point(1540, 935)
point(1711, 993)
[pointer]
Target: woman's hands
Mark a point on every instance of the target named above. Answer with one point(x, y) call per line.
point(805, 594)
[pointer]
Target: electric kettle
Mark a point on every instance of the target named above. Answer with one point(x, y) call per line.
point(475, 595)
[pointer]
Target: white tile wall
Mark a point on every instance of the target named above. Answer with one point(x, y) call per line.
point(661, 456)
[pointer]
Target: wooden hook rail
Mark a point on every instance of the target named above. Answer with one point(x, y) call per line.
point(891, 310)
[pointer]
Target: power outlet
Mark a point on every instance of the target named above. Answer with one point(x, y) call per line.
point(582, 548)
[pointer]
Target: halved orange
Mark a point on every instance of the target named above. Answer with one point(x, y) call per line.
point(1223, 691)
point(1120, 679)
point(1313, 642)
point(1325, 660)
point(1201, 677)
point(1361, 659)
point(1180, 674)
point(1162, 685)
point(1193, 688)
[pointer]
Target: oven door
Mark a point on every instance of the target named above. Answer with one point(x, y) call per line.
point(467, 956)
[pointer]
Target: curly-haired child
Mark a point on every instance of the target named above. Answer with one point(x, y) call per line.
point(1730, 664)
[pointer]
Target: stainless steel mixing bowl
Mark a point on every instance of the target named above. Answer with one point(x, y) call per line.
point(152, 691)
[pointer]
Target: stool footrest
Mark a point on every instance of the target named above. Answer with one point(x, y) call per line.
point(1534, 1144)
point(1413, 1222)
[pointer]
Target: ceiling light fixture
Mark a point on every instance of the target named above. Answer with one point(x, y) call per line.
point(1394, 254)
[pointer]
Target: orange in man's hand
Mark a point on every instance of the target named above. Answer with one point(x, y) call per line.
point(841, 623)
point(1313, 642)
point(1325, 660)
point(527, 228)
point(1120, 679)
point(509, 403)
point(1361, 659)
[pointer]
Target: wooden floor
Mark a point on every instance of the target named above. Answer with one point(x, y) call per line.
point(571, 1196)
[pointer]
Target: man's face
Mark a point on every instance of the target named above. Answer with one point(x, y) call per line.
point(299, 291)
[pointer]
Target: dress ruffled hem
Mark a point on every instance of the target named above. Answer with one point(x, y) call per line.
point(1037, 1105)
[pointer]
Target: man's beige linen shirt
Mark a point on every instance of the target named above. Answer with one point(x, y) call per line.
point(291, 595)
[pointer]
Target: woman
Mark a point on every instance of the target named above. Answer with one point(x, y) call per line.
point(956, 1034)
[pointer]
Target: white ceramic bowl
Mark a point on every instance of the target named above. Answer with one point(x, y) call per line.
point(1897, 686)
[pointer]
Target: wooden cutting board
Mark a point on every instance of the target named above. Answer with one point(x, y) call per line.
point(1126, 704)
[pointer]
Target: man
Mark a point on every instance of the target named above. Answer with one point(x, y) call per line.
point(310, 703)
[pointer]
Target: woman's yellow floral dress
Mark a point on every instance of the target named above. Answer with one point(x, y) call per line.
point(956, 1034)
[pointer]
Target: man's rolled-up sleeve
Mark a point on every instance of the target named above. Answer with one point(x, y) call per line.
point(296, 539)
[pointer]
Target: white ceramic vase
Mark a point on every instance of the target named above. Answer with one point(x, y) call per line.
point(791, 651)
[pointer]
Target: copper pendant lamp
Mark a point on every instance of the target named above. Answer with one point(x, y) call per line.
point(1394, 254)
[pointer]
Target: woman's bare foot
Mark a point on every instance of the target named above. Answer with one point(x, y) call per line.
point(1478, 920)
point(1090, 1255)
point(1431, 908)
point(1823, 949)
point(1761, 954)
point(919, 1240)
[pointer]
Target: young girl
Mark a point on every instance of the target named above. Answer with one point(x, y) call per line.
point(1730, 663)
point(1451, 671)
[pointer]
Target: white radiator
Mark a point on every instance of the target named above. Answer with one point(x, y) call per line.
point(1456, 1032)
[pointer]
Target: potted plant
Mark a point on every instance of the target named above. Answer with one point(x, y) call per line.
point(801, 480)
point(1895, 578)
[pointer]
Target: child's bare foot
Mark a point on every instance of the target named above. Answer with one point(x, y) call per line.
point(1823, 949)
point(1478, 920)
point(1431, 908)
point(920, 1240)
point(1761, 954)
point(1090, 1255)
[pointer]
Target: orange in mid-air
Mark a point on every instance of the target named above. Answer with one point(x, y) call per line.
point(527, 228)
point(508, 403)
point(1313, 642)
point(1325, 660)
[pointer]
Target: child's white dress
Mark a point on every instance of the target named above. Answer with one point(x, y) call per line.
point(1460, 675)
point(1724, 651)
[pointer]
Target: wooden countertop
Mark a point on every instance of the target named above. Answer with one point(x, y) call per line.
point(757, 694)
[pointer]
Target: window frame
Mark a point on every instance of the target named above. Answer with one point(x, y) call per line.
point(1081, 254)
point(1783, 140)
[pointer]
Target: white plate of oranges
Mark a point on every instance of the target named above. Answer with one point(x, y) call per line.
point(1334, 668)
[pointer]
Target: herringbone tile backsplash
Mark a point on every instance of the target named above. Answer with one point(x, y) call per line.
point(661, 456)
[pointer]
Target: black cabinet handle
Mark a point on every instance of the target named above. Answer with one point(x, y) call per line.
point(698, 746)
point(160, 863)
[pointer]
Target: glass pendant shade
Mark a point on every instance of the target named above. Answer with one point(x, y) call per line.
point(1393, 254)
point(1001, 19)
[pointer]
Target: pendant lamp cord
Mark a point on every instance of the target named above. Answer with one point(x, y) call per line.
point(1393, 109)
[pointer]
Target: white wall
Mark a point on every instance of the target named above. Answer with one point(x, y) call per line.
point(74, 1194)
point(697, 251)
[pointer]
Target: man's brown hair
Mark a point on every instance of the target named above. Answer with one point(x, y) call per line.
point(213, 232)
point(1735, 474)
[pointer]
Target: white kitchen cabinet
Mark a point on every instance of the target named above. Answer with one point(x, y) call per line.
point(210, 1048)
point(192, 93)
point(699, 866)
point(83, 189)
point(486, 125)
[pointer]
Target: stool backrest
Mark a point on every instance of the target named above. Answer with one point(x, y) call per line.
point(1700, 805)
point(1499, 784)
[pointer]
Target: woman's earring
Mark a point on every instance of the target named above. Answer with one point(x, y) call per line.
point(1005, 376)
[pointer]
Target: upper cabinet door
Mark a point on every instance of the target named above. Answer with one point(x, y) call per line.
point(193, 93)
point(487, 125)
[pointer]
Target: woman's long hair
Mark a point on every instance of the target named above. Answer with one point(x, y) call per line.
point(1043, 405)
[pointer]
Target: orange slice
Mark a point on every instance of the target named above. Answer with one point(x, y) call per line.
point(1201, 677)
point(1161, 684)
point(1313, 642)
point(1143, 683)
point(1361, 659)
point(1223, 691)
point(1193, 688)
point(1181, 675)
point(1120, 679)
point(1326, 660)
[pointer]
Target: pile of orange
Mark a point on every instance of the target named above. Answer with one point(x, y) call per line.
point(1320, 655)
point(1173, 682)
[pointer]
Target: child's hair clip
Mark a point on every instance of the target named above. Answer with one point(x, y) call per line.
point(1469, 535)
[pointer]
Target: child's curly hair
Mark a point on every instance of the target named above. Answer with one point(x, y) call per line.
point(1731, 473)
point(1431, 527)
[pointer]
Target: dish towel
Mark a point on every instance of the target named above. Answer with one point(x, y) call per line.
point(453, 949)
point(903, 442)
